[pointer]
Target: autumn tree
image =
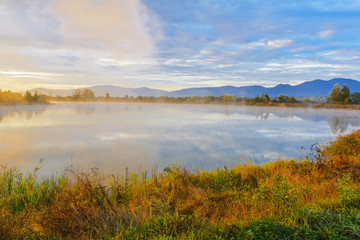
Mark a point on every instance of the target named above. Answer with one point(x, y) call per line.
point(85, 94)
point(339, 95)
point(88, 94)
point(76, 95)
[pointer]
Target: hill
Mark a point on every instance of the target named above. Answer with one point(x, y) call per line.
point(315, 88)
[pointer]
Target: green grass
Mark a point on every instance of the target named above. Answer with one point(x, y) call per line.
point(315, 198)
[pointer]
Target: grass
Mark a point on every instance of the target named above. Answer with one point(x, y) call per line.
point(313, 198)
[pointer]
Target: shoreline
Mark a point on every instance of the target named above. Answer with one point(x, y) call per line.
point(276, 105)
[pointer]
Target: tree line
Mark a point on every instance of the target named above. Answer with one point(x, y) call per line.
point(15, 98)
point(338, 95)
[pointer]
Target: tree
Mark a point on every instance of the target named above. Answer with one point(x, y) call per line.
point(88, 94)
point(281, 98)
point(28, 97)
point(355, 98)
point(77, 94)
point(345, 93)
point(291, 100)
point(338, 95)
point(228, 98)
point(83, 94)
point(267, 98)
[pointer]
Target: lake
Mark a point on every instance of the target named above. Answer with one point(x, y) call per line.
point(114, 136)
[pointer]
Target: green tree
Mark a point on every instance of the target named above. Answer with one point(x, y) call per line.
point(28, 97)
point(355, 98)
point(291, 100)
point(267, 98)
point(281, 98)
point(345, 92)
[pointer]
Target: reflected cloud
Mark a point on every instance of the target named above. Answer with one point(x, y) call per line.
point(115, 136)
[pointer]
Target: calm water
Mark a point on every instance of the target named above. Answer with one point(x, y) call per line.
point(116, 136)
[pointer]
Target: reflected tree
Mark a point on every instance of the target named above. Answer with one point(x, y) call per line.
point(27, 111)
point(338, 124)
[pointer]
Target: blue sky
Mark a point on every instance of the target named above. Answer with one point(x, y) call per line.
point(176, 44)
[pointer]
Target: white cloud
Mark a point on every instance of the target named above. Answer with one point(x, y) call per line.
point(279, 43)
point(326, 33)
point(263, 43)
point(252, 45)
point(29, 74)
point(129, 62)
point(303, 65)
point(329, 53)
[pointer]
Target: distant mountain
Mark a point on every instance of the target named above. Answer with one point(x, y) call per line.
point(53, 92)
point(316, 88)
point(217, 91)
point(101, 90)
point(121, 92)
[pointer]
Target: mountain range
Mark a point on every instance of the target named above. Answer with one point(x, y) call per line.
point(315, 88)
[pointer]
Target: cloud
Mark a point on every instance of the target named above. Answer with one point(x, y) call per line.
point(303, 66)
point(279, 43)
point(119, 25)
point(326, 33)
point(66, 39)
point(174, 44)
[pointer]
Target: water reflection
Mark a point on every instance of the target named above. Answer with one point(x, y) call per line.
point(116, 136)
point(15, 111)
point(338, 120)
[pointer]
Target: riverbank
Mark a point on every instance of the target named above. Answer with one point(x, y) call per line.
point(317, 197)
point(235, 103)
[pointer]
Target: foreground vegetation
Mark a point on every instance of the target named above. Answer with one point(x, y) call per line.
point(317, 197)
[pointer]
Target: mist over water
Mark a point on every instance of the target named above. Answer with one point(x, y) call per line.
point(114, 136)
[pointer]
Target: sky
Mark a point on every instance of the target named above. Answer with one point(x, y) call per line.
point(175, 44)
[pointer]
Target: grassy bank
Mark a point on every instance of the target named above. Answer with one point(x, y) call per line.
point(313, 198)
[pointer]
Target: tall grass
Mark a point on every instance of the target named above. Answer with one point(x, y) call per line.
point(314, 198)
